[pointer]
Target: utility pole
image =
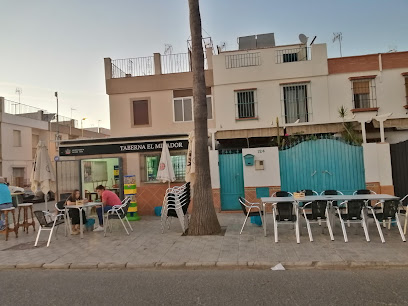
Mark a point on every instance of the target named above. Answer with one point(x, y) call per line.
point(57, 149)
point(19, 91)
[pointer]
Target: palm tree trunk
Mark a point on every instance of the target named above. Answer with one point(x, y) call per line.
point(204, 219)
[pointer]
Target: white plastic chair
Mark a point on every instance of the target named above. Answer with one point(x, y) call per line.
point(248, 213)
point(45, 225)
point(118, 212)
point(175, 204)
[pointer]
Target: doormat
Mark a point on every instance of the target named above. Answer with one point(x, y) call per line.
point(223, 230)
point(26, 246)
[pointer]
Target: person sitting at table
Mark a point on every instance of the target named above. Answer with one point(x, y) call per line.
point(74, 212)
point(109, 199)
point(5, 200)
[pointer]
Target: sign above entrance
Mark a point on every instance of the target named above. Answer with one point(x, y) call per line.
point(116, 148)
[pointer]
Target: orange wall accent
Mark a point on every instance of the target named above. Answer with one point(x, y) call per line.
point(353, 64)
point(394, 60)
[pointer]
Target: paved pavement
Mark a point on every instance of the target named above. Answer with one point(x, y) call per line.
point(203, 287)
point(148, 247)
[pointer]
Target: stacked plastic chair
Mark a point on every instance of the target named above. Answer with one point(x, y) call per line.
point(175, 205)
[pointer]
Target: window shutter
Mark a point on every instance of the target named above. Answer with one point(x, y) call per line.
point(361, 87)
point(141, 112)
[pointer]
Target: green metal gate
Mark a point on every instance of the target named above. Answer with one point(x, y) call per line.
point(322, 164)
point(231, 179)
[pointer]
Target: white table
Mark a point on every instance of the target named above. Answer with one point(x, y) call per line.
point(80, 208)
point(329, 198)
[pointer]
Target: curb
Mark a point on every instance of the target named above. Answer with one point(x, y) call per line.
point(221, 265)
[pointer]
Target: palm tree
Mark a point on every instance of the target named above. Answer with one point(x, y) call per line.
point(204, 219)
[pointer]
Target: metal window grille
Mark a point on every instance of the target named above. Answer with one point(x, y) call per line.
point(152, 166)
point(293, 55)
point(246, 104)
point(364, 93)
point(296, 103)
point(179, 166)
point(406, 89)
point(242, 60)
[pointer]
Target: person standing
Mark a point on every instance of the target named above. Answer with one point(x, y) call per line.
point(5, 200)
point(109, 199)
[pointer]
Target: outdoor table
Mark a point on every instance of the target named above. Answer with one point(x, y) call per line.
point(80, 208)
point(329, 198)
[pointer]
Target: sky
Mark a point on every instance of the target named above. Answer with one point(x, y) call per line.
point(59, 45)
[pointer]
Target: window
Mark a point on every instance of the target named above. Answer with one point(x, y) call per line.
point(152, 164)
point(364, 95)
point(246, 104)
point(18, 177)
point(183, 109)
point(35, 140)
point(16, 138)
point(141, 113)
point(290, 57)
point(209, 108)
point(406, 89)
point(295, 103)
point(293, 55)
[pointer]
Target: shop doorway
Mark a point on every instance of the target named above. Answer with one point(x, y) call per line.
point(107, 172)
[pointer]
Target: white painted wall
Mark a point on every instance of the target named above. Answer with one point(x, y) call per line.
point(377, 163)
point(269, 69)
point(269, 103)
point(214, 169)
point(270, 176)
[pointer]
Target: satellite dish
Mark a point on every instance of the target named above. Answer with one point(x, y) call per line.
point(303, 38)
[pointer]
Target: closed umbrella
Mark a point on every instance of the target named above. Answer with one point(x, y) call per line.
point(166, 171)
point(190, 165)
point(42, 175)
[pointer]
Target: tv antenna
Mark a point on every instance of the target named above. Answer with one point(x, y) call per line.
point(338, 36)
point(168, 49)
point(19, 91)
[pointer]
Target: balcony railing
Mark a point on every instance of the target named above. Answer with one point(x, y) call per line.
point(130, 67)
point(293, 55)
point(175, 63)
point(65, 121)
point(28, 111)
point(142, 66)
point(16, 108)
point(242, 60)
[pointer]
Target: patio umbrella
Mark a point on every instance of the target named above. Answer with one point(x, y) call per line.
point(166, 171)
point(190, 165)
point(42, 175)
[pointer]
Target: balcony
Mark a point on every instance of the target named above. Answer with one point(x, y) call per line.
point(152, 65)
point(28, 111)
point(293, 55)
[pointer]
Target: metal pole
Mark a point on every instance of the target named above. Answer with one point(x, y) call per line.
point(57, 151)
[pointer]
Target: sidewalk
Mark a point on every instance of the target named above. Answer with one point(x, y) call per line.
point(147, 247)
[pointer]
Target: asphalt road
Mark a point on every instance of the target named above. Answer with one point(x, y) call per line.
point(203, 287)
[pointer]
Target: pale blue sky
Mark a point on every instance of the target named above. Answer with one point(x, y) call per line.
point(59, 45)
